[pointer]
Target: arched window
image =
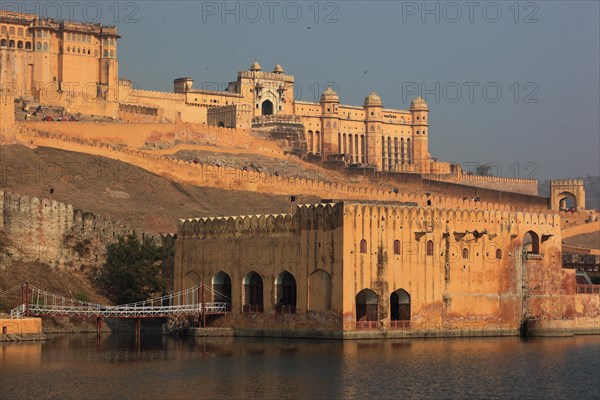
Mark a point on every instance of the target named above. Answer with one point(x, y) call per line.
point(3, 42)
point(400, 307)
point(20, 32)
point(363, 246)
point(396, 247)
point(429, 248)
point(112, 54)
point(27, 45)
point(38, 46)
point(318, 142)
point(285, 293)
point(221, 286)
point(11, 44)
point(531, 243)
point(105, 54)
point(46, 46)
point(465, 254)
point(253, 292)
point(367, 306)
point(105, 42)
point(3, 30)
point(89, 52)
point(20, 44)
point(11, 31)
point(498, 254)
point(79, 50)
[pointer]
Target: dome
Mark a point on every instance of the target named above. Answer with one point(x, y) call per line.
point(330, 95)
point(255, 66)
point(418, 104)
point(278, 69)
point(373, 99)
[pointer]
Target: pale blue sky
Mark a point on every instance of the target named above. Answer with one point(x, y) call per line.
point(549, 52)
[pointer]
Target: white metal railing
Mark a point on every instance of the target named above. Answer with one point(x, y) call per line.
point(188, 302)
point(121, 311)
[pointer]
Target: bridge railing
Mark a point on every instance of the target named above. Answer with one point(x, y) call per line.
point(37, 302)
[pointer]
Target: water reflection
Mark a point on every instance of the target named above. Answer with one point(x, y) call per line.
point(116, 366)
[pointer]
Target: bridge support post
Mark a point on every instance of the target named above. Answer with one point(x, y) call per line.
point(26, 299)
point(138, 329)
point(203, 308)
point(99, 325)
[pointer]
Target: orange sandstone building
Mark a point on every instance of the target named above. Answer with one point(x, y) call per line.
point(75, 66)
point(364, 269)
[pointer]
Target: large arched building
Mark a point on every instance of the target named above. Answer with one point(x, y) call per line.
point(368, 135)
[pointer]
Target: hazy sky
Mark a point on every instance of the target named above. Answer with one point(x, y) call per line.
point(543, 56)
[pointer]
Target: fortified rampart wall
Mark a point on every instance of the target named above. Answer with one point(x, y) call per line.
point(516, 185)
point(48, 231)
point(134, 135)
point(235, 179)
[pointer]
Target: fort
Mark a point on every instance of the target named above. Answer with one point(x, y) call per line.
point(401, 244)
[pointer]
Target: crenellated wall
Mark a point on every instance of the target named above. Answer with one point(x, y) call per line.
point(236, 179)
point(56, 233)
point(462, 269)
point(516, 185)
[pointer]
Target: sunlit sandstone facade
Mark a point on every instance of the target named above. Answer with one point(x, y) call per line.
point(352, 269)
point(75, 66)
point(389, 139)
point(67, 63)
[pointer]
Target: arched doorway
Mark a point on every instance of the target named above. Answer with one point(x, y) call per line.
point(285, 293)
point(400, 308)
point(367, 306)
point(319, 291)
point(267, 107)
point(221, 285)
point(253, 292)
point(567, 201)
point(531, 243)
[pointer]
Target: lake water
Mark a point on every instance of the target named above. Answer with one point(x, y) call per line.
point(156, 367)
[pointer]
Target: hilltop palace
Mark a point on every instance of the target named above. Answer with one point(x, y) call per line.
point(75, 66)
point(478, 255)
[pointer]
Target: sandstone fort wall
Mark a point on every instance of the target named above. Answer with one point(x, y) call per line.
point(48, 231)
point(235, 179)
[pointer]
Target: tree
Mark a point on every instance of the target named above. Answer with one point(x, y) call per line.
point(483, 170)
point(132, 271)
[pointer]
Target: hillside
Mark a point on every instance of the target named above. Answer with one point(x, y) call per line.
point(592, 191)
point(118, 190)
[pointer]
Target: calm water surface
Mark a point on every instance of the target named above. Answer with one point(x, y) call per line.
point(156, 367)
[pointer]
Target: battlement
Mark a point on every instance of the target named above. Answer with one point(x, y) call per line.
point(444, 215)
point(45, 230)
point(220, 176)
point(265, 75)
point(567, 182)
point(330, 216)
point(50, 23)
point(324, 216)
point(157, 94)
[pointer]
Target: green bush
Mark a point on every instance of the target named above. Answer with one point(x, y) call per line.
point(82, 296)
point(132, 271)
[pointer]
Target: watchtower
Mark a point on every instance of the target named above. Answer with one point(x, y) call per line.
point(567, 194)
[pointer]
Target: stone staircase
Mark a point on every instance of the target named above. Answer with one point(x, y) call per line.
point(287, 130)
